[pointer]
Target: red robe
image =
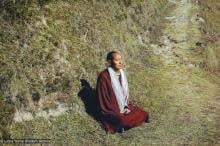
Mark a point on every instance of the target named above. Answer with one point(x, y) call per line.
point(110, 116)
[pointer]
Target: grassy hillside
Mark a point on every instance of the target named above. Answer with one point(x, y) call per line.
point(209, 11)
point(48, 46)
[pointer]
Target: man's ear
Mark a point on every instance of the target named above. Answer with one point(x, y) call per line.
point(109, 62)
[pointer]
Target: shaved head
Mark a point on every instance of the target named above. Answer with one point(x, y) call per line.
point(110, 55)
point(115, 60)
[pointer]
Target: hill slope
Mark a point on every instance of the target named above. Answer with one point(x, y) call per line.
point(48, 46)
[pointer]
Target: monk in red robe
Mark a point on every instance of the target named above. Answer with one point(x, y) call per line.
point(117, 112)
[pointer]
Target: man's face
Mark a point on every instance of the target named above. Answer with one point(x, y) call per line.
point(116, 62)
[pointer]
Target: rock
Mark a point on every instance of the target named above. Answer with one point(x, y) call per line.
point(191, 66)
point(197, 18)
point(185, 59)
point(170, 17)
point(44, 22)
point(20, 116)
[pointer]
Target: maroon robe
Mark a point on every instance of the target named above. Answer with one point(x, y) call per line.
point(111, 117)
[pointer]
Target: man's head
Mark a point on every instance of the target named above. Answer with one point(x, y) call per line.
point(115, 60)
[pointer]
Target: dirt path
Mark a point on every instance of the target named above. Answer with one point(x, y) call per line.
point(193, 116)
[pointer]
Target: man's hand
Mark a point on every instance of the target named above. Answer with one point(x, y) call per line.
point(127, 111)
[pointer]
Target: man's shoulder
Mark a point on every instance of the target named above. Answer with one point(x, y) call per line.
point(103, 74)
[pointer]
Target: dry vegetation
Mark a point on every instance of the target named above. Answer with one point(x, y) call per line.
point(47, 46)
point(209, 10)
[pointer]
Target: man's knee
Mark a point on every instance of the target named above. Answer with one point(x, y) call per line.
point(124, 122)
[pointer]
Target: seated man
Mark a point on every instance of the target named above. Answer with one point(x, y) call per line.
point(117, 113)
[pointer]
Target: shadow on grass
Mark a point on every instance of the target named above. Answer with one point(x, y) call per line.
point(90, 100)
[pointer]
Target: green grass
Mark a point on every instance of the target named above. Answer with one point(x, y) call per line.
point(6, 114)
point(210, 33)
point(46, 47)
